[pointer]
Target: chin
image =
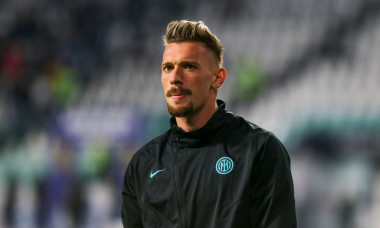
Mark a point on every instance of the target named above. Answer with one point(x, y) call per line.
point(180, 110)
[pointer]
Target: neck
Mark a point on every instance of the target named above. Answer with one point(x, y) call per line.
point(198, 120)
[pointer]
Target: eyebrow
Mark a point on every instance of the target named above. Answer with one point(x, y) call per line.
point(165, 64)
point(181, 63)
point(189, 62)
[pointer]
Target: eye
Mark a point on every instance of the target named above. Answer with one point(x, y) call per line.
point(167, 68)
point(190, 66)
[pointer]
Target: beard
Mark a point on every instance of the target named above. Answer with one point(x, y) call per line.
point(182, 111)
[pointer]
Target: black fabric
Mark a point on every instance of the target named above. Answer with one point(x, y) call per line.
point(229, 173)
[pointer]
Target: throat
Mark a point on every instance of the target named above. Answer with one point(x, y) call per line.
point(195, 120)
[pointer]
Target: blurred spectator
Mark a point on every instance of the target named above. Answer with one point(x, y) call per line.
point(249, 80)
point(306, 65)
point(13, 63)
point(64, 83)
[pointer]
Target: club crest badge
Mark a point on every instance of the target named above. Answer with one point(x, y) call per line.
point(224, 165)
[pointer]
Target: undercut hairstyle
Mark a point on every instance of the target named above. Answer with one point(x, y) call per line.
point(185, 31)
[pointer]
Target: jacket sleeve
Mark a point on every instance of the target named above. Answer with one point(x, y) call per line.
point(272, 193)
point(130, 211)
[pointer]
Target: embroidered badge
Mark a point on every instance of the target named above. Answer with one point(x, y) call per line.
point(224, 165)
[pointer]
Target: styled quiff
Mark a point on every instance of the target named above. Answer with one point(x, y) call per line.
point(184, 31)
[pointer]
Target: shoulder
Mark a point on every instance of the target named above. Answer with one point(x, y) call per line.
point(151, 148)
point(242, 126)
point(244, 130)
point(265, 147)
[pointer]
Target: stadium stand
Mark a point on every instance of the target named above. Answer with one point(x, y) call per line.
point(80, 91)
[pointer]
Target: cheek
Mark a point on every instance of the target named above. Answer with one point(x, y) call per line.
point(202, 87)
point(202, 80)
point(204, 83)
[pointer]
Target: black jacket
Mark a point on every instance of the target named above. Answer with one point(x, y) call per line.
point(229, 173)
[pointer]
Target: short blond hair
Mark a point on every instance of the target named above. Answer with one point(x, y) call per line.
point(184, 31)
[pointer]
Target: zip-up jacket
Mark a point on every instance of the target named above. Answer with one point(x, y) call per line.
point(229, 173)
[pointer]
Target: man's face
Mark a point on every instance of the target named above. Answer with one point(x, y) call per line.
point(188, 69)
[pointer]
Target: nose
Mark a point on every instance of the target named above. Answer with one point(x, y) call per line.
point(176, 76)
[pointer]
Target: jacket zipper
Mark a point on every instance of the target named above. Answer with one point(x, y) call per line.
point(177, 182)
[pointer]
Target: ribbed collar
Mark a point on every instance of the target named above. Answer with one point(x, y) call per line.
point(212, 129)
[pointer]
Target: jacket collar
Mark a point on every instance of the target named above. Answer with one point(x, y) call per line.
point(212, 129)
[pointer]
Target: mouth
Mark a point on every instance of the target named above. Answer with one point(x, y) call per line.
point(178, 93)
point(177, 96)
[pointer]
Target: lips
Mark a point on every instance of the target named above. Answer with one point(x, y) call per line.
point(177, 96)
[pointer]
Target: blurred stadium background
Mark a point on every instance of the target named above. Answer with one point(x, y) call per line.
point(80, 92)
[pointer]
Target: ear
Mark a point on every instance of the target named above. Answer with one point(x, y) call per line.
point(219, 78)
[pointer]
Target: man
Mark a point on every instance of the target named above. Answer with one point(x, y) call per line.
point(212, 168)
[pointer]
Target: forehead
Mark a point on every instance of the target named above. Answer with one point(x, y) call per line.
point(186, 51)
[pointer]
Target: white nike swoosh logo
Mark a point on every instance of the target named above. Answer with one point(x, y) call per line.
point(153, 174)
